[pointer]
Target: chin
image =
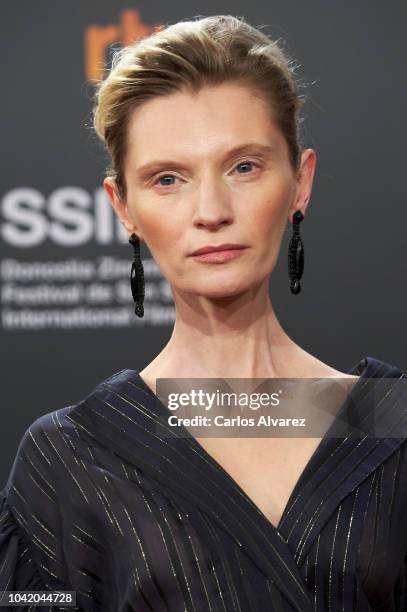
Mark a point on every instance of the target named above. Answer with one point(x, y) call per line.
point(223, 289)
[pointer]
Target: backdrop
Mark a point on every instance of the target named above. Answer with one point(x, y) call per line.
point(67, 320)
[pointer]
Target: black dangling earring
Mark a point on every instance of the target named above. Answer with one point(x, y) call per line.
point(137, 277)
point(296, 254)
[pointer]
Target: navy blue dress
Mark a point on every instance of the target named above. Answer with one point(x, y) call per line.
point(100, 501)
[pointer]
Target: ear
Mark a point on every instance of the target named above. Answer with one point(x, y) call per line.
point(304, 178)
point(120, 207)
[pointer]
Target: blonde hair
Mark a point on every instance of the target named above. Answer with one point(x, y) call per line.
point(186, 56)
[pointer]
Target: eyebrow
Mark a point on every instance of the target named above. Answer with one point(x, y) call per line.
point(253, 148)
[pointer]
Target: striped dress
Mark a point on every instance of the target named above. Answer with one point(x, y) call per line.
point(100, 500)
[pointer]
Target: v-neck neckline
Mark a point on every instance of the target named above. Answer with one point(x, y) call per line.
point(126, 417)
point(364, 367)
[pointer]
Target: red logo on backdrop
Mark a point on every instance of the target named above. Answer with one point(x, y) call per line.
point(99, 38)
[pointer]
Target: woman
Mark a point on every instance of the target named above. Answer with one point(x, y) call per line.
point(201, 121)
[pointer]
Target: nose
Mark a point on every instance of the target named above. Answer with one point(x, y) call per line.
point(212, 205)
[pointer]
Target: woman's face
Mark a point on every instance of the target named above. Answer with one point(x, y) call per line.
point(188, 186)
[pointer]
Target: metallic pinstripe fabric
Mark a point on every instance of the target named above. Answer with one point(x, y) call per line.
point(100, 502)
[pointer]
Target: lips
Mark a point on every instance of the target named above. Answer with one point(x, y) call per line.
point(214, 249)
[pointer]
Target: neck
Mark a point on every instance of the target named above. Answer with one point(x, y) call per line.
point(238, 336)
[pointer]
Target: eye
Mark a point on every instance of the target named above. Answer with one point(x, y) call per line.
point(165, 177)
point(246, 163)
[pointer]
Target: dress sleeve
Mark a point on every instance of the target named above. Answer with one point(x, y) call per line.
point(31, 549)
point(17, 568)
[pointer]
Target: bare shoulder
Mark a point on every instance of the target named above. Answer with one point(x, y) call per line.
point(333, 373)
point(310, 366)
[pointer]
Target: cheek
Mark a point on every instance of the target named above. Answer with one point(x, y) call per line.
point(164, 235)
point(271, 217)
point(160, 228)
point(268, 224)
